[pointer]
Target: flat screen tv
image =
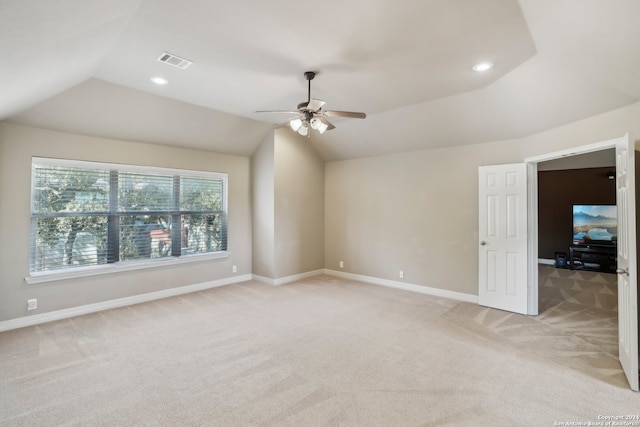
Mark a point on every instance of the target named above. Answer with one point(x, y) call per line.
point(595, 224)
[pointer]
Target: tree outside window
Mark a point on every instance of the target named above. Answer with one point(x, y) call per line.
point(90, 214)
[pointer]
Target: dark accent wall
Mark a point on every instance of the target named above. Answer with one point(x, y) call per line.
point(558, 191)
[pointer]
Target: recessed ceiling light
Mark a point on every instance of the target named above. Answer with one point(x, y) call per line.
point(159, 80)
point(483, 66)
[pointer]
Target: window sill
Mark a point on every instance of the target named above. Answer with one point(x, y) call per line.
point(120, 267)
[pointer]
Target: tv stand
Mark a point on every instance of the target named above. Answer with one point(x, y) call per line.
point(601, 258)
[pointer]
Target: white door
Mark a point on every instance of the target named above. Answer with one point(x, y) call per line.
point(627, 268)
point(503, 237)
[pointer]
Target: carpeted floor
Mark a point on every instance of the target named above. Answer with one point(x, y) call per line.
point(323, 352)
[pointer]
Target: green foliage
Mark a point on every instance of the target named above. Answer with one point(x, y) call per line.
point(70, 190)
point(144, 192)
point(58, 189)
point(202, 233)
point(61, 192)
point(145, 236)
point(198, 194)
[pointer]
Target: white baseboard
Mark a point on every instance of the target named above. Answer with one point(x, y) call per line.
point(37, 319)
point(288, 279)
point(263, 279)
point(51, 316)
point(546, 261)
point(406, 286)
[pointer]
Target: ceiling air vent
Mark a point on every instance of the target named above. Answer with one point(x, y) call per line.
point(176, 61)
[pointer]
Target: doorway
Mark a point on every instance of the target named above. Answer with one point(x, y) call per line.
point(626, 246)
point(579, 301)
point(577, 191)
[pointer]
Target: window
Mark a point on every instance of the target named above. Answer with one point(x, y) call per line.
point(87, 214)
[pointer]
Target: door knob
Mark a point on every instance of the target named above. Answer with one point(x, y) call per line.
point(622, 271)
point(482, 243)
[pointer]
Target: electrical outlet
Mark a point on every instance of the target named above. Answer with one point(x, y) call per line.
point(234, 269)
point(401, 274)
point(32, 304)
point(341, 264)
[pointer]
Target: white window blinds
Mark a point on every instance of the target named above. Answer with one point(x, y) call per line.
point(86, 214)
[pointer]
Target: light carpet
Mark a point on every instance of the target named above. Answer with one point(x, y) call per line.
point(323, 351)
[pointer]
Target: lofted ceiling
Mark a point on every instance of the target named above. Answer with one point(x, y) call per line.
point(85, 67)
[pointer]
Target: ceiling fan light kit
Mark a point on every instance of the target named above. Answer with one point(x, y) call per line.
point(310, 115)
point(295, 124)
point(317, 124)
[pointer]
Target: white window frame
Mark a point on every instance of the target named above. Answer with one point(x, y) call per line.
point(130, 265)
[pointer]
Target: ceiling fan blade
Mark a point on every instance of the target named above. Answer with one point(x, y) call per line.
point(279, 111)
point(350, 114)
point(327, 122)
point(315, 104)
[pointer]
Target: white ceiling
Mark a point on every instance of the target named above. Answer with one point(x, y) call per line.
point(84, 67)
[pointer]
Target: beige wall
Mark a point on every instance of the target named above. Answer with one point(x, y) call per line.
point(418, 211)
point(288, 206)
point(262, 178)
point(299, 205)
point(19, 143)
point(415, 212)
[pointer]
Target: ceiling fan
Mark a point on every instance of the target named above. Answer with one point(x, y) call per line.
point(310, 114)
